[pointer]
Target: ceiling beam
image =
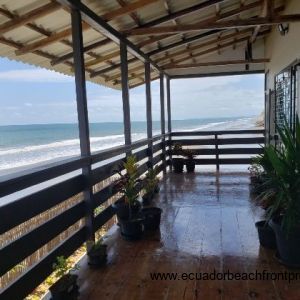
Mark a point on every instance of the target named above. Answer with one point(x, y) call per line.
point(252, 22)
point(97, 23)
point(28, 17)
point(267, 11)
point(208, 51)
point(209, 43)
point(220, 63)
point(126, 9)
point(227, 14)
point(132, 15)
point(55, 37)
point(159, 21)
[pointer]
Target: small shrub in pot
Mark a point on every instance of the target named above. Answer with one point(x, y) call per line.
point(190, 160)
point(65, 287)
point(151, 185)
point(177, 162)
point(97, 253)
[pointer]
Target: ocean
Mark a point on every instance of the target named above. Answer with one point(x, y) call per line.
point(24, 145)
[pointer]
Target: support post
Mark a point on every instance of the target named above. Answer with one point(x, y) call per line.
point(149, 112)
point(83, 121)
point(169, 117)
point(217, 153)
point(162, 120)
point(125, 96)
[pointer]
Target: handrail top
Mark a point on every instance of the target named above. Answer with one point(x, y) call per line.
point(218, 132)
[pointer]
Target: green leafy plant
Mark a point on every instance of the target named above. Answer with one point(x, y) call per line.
point(151, 181)
point(63, 266)
point(189, 153)
point(282, 177)
point(96, 246)
point(129, 183)
point(177, 149)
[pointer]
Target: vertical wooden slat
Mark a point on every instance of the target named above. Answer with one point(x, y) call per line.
point(83, 120)
point(169, 112)
point(125, 95)
point(162, 119)
point(217, 153)
point(149, 112)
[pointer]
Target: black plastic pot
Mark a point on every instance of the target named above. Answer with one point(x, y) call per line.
point(147, 198)
point(152, 218)
point(178, 164)
point(65, 288)
point(122, 209)
point(97, 257)
point(190, 165)
point(288, 246)
point(132, 229)
point(266, 235)
point(157, 189)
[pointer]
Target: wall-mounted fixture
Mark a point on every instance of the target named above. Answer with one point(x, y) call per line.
point(283, 28)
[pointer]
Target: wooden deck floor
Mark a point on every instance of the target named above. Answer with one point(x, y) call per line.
point(207, 224)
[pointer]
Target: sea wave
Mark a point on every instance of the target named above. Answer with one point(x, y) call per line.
point(11, 158)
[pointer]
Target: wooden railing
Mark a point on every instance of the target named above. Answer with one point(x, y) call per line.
point(243, 144)
point(50, 195)
point(17, 212)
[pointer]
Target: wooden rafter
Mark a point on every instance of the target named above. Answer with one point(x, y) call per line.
point(161, 20)
point(132, 15)
point(220, 63)
point(126, 9)
point(207, 51)
point(222, 16)
point(29, 17)
point(55, 37)
point(267, 11)
point(217, 25)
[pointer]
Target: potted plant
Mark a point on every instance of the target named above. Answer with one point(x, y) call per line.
point(128, 210)
point(97, 253)
point(66, 286)
point(152, 216)
point(265, 192)
point(285, 209)
point(189, 162)
point(177, 162)
point(151, 185)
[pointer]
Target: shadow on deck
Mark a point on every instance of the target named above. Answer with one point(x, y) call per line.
point(207, 224)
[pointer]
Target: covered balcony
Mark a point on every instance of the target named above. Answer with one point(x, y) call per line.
point(208, 219)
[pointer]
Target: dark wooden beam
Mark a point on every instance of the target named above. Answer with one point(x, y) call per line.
point(149, 112)
point(202, 75)
point(55, 37)
point(125, 95)
point(218, 25)
point(102, 26)
point(169, 105)
point(162, 118)
point(87, 48)
point(219, 63)
point(126, 9)
point(29, 17)
point(151, 40)
point(83, 120)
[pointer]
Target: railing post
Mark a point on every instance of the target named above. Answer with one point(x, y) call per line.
point(162, 120)
point(125, 95)
point(169, 117)
point(83, 120)
point(149, 112)
point(217, 153)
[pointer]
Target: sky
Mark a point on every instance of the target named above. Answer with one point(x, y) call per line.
point(31, 95)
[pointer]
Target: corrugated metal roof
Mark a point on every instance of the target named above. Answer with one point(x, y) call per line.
point(102, 59)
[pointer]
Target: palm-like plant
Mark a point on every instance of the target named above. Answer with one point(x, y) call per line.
point(282, 177)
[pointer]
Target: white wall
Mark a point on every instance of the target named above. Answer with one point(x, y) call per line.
point(282, 51)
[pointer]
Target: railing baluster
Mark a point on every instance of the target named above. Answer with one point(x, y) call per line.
point(217, 153)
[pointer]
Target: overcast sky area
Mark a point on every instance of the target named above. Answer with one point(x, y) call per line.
point(30, 95)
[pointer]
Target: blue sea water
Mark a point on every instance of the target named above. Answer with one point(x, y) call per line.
point(25, 145)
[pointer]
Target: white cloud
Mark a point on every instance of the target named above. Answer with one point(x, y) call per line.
point(34, 75)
